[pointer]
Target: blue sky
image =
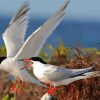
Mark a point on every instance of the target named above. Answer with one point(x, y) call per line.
point(77, 9)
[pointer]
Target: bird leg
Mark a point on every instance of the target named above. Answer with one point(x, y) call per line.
point(14, 86)
point(20, 88)
point(52, 89)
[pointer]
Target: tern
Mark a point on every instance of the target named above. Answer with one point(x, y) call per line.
point(18, 48)
point(14, 39)
point(55, 75)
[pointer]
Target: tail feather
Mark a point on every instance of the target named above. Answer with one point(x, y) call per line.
point(92, 74)
point(79, 72)
point(83, 76)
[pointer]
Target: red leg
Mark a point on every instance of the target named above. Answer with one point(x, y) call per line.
point(14, 86)
point(51, 90)
point(19, 90)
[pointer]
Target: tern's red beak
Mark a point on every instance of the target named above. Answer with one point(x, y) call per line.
point(29, 65)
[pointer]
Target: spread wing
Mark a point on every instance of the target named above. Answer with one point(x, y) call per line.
point(37, 39)
point(14, 34)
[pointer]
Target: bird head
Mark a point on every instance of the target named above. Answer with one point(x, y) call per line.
point(31, 61)
point(27, 60)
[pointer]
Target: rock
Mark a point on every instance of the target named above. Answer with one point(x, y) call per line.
point(47, 96)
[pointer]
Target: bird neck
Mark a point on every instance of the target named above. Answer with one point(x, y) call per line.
point(37, 64)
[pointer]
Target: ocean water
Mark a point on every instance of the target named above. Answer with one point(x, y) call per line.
point(70, 32)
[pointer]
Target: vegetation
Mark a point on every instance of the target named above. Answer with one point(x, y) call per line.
point(88, 89)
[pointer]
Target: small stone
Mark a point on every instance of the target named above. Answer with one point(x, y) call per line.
point(47, 96)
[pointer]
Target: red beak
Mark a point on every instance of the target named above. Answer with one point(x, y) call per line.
point(29, 65)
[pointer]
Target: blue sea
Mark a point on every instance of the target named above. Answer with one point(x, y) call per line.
point(71, 33)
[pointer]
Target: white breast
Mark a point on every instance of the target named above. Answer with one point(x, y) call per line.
point(38, 70)
point(12, 67)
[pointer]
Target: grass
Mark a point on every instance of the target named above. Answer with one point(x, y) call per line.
point(88, 89)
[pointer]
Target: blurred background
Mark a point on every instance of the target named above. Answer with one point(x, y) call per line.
point(80, 27)
point(75, 44)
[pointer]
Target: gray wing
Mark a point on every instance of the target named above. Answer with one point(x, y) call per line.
point(83, 76)
point(55, 73)
point(36, 40)
point(15, 33)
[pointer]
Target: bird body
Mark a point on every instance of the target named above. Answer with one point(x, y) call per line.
point(11, 66)
point(55, 75)
point(18, 48)
point(14, 39)
point(52, 74)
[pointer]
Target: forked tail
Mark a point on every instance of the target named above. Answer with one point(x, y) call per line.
point(83, 76)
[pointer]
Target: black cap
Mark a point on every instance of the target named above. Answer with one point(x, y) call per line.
point(38, 59)
point(2, 58)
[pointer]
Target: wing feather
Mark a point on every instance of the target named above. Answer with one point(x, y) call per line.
point(35, 42)
point(15, 33)
point(56, 74)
